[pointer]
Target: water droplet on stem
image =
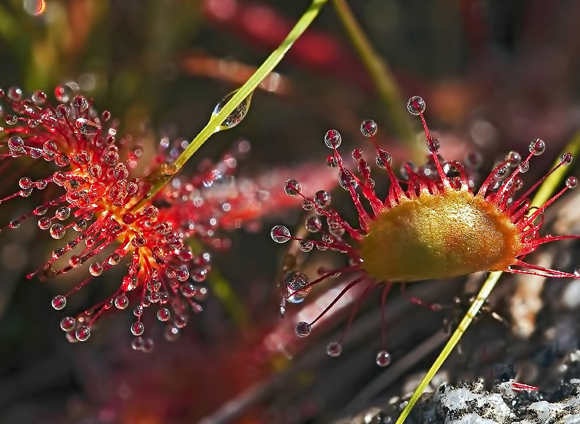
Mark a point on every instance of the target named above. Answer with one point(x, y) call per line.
point(238, 114)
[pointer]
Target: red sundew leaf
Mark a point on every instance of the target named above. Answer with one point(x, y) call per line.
point(229, 202)
point(94, 195)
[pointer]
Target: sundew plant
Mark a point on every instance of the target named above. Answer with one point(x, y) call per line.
point(102, 203)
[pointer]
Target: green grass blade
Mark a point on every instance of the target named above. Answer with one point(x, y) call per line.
point(248, 88)
point(453, 340)
point(380, 73)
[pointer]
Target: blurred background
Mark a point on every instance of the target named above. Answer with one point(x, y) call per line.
point(494, 74)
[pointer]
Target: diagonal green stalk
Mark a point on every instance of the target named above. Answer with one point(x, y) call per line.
point(543, 194)
point(246, 90)
point(379, 72)
point(223, 290)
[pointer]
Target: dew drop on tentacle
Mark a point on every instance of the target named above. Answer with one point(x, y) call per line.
point(95, 269)
point(322, 199)
point(346, 180)
point(57, 231)
point(566, 159)
point(332, 139)
point(163, 314)
point(383, 158)
point(280, 234)
point(357, 154)
point(416, 105)
point(368, 128)
point(83, 333)
point(238, 114)
point(292, 187)
point(58, 302)
point(305, 245)
point(513, 159)
point(334, 349)
point(297, 286)
point(473, 159)
point(524, 167)
point(67, 324)
point(137, 343)
point(572, 182)
point(137, 328)
point(87, 127)
point(331, 161)
point(25, 183)
point(307, 204)
point(313, 224)
point(383, 358)
point(121, 301)
point(303, 329)
point(537, 147)
point(148, 345)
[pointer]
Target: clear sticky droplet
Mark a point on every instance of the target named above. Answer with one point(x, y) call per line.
point(537, 147)
point(292, 187)
point(416, 105)
point(303, 329)
point(280, 234)
point(87, 127)
point(297, 286)
point(67, 324)
point(368, 128)
point(83, 333)
point(383, 358)
point(238, 114)
point(334, 349)
point(58, 302)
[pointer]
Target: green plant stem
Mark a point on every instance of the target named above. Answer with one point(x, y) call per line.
point(544, 193)
point(451, 343)
point(223, 290)
point(379, 72)
point(247, 89)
